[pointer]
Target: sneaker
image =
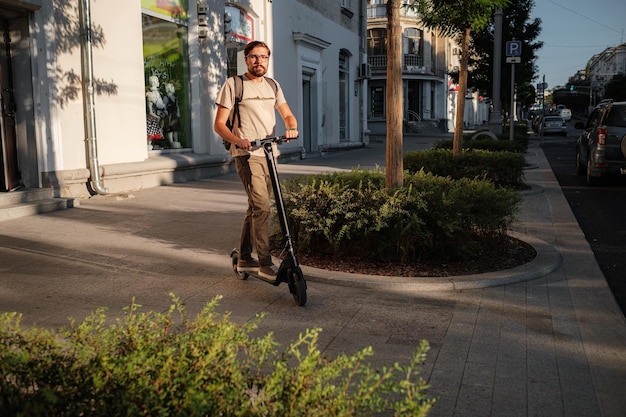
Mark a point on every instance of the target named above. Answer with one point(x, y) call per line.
point(268, 271)
point(247, 265)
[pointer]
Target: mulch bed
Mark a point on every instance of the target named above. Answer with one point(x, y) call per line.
point(514, 253)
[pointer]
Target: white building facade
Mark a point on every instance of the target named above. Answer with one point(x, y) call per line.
point(603, 67)
point(118, 95)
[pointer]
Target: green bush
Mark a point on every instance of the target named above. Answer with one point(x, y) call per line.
point(430, 217)
point(519, 144)
point(505, 169)
point(520, 128)
point(163, 364)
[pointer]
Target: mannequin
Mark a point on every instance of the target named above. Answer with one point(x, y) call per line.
point(172, 119)
point(156, 109)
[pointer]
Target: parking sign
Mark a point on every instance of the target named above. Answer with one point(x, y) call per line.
point(513, 48)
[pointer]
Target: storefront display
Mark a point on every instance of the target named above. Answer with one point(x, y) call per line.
point(166, 71)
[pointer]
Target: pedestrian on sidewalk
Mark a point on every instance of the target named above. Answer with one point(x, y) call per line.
point(256, 120)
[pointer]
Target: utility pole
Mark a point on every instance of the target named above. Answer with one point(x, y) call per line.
point(495, 117)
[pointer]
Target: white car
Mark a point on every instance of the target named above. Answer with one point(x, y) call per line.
point(552, 125)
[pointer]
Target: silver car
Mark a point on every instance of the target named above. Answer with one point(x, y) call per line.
point(552, 125)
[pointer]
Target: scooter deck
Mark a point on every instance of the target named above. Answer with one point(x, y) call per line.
point(288, 272)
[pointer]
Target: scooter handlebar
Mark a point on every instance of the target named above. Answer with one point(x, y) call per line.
point(257, 143)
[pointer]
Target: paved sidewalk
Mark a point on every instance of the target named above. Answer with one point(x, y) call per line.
point(548, 341)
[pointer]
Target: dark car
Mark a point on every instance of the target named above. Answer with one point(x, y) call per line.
point(601, 149)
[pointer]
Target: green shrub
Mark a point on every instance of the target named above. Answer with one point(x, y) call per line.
point(519, 144)
point(505, 169)
point(159, 364)
point(520, 128)
point(430, 217)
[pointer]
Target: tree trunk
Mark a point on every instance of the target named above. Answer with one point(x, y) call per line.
point(457, 146)
point(394, 150)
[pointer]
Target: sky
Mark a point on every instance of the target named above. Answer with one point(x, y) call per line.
point(572, 32)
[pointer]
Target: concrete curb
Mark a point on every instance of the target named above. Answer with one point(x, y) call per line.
point(547, 260)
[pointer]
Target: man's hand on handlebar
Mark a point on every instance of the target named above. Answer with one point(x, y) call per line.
point(291, 133)
point(257, 143)
point(244, 144)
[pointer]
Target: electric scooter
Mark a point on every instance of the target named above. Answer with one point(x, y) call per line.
point(289, 271)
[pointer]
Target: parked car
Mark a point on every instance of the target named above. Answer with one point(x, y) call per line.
point(601, 149)
point(552, 125)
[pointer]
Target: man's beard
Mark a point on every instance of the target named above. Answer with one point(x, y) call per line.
point(258, 71)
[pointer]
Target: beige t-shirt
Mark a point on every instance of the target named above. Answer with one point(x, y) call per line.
point(256, 110)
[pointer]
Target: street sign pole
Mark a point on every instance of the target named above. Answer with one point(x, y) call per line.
point(543, 96)
point(512, 115)
point(513, 56)
point(495, 117)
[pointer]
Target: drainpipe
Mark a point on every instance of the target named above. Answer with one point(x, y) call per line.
point(89, 112)
point(364, 82)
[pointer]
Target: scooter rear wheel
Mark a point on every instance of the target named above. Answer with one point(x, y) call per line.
point(297, 286)
point(234, 257)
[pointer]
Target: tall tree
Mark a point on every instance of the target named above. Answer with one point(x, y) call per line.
point(518, 25)
point(457, 18)
point(394, 167)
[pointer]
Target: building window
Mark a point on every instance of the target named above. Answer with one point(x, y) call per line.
point(344, 95)
point(376, 42)
point(412, 41)
point(166, 73)
point(238, 32)
point(433, 48)
point(376, 9)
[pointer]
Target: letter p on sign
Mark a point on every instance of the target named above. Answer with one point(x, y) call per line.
point(513, 48)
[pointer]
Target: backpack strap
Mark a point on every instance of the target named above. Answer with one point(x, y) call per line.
point(273, 84)
point(238, 80)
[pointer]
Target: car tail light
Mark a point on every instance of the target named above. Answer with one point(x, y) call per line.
point(601, 135)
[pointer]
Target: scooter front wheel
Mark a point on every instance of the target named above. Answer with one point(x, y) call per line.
point(234, 257)
point(297, 286)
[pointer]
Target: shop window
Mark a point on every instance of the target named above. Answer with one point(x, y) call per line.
point(238, 32)
point(166, 73)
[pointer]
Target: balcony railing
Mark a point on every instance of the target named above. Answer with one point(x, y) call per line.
point(379, 62)
point(411, 64)
point(377, 11)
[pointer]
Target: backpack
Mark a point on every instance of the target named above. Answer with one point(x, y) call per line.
point(230, 123)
